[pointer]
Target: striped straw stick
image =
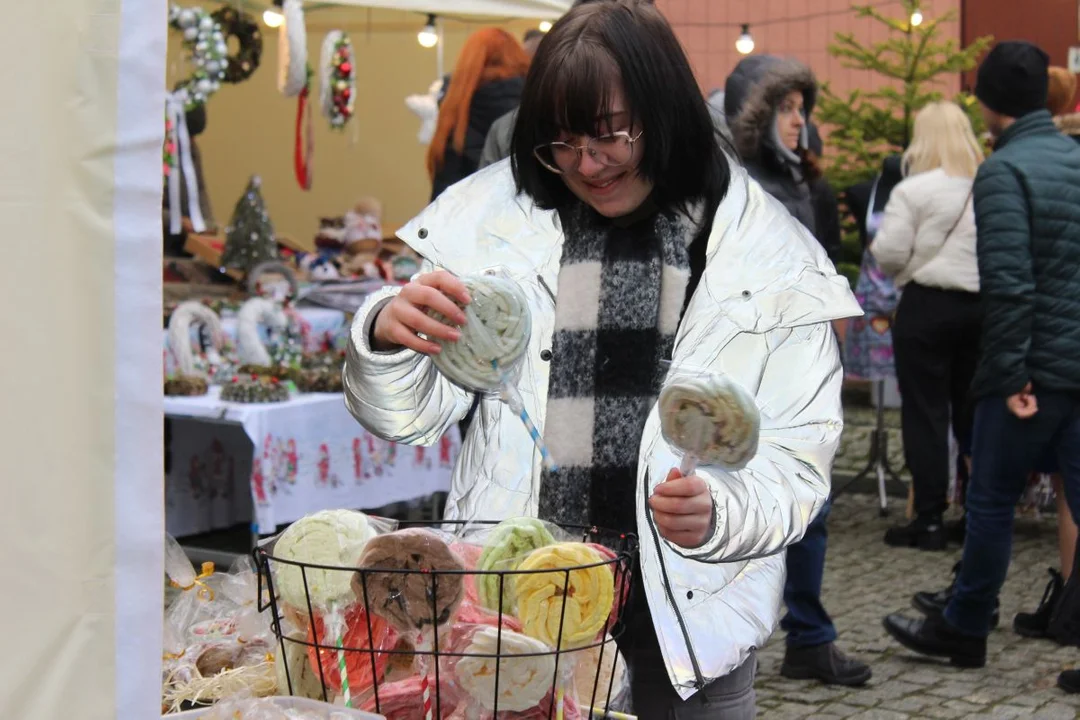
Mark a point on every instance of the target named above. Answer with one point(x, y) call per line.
point(560, 701)
point(511, 397)
point(343, 670)
point(425, 688)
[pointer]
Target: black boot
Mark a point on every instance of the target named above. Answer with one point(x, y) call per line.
point(932, 604)
point(925, 533)
point(825, 663)
point(935, 637)
point(1034, 625)
point(1069, 681)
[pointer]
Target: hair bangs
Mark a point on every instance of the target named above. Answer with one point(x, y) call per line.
point(583, 85)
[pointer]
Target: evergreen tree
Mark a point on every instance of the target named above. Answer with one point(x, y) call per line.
point(249, 239)
point(869, 125)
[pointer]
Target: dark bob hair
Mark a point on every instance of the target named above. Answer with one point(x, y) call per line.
point(593, 50)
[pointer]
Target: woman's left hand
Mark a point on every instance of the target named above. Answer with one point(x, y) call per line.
point(683, 510)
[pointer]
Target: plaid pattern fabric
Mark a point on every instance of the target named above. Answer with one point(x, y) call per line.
point(621, 290)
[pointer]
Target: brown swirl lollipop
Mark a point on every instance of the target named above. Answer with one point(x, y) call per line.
point(411, 601)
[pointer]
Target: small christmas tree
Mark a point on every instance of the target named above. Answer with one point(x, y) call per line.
point(249, 239)
point(868, 126)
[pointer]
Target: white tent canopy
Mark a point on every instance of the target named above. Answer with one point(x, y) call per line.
point(540, 9)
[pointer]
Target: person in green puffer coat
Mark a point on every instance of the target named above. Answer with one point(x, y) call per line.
point(1027, 386)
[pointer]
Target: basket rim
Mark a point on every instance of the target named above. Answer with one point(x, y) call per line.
point(264, 552)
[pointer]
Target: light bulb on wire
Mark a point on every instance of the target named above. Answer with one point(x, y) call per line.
point(745, 43)
point(545, 26)
point(916, 17)
point(273, 18)
point(428, 37)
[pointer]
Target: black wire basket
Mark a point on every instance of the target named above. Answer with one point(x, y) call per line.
point(310, 668)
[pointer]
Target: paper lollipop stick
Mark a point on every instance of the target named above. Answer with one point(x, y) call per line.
point(338, 622)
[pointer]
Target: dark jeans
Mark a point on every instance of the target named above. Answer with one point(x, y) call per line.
point(806, 622)
point(935, 346)
point(731, 697)
point(1004, 450)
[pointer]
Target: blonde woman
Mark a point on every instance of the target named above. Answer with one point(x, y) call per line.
point(927, 242)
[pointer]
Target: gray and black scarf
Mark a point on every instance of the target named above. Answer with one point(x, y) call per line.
point(622, 286)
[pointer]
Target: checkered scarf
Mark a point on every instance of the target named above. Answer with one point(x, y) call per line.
point(621, 291)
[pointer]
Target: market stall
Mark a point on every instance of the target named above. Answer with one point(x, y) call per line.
point(290, 458)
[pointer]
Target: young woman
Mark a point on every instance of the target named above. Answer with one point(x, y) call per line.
point(486, 85)
point(927, 243)
point(768, 102)
point(634, 240)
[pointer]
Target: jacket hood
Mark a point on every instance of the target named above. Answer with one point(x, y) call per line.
point(753, 92)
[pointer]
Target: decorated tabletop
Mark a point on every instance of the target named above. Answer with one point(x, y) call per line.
point(298, 457)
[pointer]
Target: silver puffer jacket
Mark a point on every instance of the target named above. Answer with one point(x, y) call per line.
point(760, 315)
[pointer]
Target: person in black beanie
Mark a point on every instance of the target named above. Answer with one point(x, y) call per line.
point(1027, 385)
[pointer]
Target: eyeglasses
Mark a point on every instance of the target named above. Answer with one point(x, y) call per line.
point(612, 150)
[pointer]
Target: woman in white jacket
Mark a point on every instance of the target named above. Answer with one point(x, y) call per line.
point(927, 241)
point(634, 239)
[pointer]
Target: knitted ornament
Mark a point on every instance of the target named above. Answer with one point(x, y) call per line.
point(254, 389)
point(492, 341)
point(357, 638)
point(335, 538)
point(292, 50)
point(338, 75)
point(711, 419)
point(509, 543)
point(523, 681)
point(586, 592)
point(414, 600)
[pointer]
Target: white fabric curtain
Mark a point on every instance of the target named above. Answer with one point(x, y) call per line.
point(81, 517)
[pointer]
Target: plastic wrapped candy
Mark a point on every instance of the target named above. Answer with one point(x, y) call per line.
point(523, 682)
point(357, 637)
point(335, 538)
point(710, 418)
point(504, 550)
point(427, 587)
point(568, 608)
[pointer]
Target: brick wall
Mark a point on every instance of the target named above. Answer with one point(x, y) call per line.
point(708, 30)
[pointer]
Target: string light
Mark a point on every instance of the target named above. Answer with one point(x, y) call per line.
point(545, 26)
point(273, 18)
point(745, 43)
point(916, 17)
point(428, 37)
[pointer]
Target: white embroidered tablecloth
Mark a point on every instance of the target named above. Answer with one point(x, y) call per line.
point(309, 454)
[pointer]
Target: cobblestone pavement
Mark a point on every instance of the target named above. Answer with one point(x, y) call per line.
point(865, 580)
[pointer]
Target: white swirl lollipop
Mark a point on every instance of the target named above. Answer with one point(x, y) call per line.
point(712, 420)
point(523, 681)
point(492, 341)
point(334, 538)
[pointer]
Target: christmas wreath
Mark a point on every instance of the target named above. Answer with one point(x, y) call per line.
point(241, 26)
point(338, 78)
point(206, 44)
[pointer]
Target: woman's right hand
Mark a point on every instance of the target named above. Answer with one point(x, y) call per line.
point(398, 323)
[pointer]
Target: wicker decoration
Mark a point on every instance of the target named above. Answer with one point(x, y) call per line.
point(255, 389)
point(186, 386)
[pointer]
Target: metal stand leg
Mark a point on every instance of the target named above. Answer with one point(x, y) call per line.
point(878, 460)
